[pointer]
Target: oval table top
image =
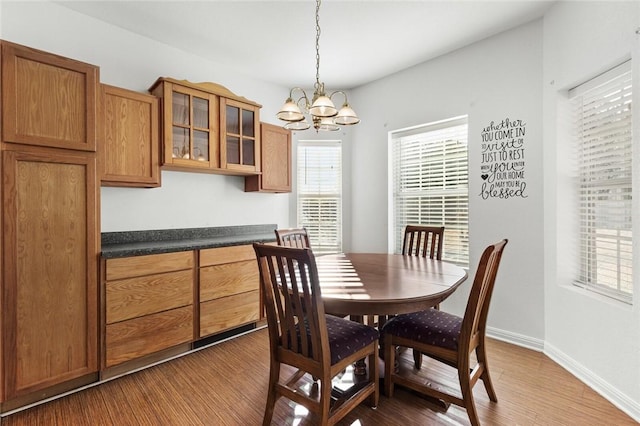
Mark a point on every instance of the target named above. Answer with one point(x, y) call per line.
point(385, 284)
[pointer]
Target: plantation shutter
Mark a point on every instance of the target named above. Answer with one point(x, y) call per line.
point(320, 194)
point(430, 184)
point(603, 143)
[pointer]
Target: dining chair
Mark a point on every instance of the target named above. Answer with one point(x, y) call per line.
point(425, 241)
point(293, 237)
point(449, 339)
point(315, 344)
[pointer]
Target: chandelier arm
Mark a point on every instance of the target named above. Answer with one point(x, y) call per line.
point(304, 96)
point(346, 101)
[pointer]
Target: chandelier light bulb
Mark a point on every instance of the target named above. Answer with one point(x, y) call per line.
point(297, 125)
point(290, 111)
point(323, 107)
point(346, 116)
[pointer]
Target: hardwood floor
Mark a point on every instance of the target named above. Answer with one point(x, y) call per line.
point(225, 385)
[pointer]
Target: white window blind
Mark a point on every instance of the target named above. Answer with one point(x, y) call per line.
point(603, 143)
point(320, 194)
point(431, 183)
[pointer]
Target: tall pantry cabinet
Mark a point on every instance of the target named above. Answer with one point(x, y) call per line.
point(49, 232)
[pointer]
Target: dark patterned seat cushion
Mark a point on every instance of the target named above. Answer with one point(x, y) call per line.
point(431, 326)
point(347, 337)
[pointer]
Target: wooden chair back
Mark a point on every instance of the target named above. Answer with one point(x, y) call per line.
point(293, 237)
point(291, 294)
point(475, 316)
point(423, 241)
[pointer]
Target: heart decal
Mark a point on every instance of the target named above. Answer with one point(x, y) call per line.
point(484, 177)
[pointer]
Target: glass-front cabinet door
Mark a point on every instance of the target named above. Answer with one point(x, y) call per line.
point(193, 134)
point(240, 137)
point(190, 121)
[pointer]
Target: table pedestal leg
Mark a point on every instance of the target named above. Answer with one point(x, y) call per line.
point(360, 367)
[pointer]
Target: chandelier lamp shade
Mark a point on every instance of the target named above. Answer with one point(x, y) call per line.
point(321, 109)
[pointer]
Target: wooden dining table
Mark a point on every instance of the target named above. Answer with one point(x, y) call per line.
point(363, 284)
point(376, 284)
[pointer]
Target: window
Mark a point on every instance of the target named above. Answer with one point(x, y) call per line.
point(431, 183)
point(320, 194)
point(603, 144)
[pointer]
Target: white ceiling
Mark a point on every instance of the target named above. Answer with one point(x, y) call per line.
point(360, 41)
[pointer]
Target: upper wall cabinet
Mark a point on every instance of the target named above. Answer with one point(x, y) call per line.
point(48, 100)
point(207, 128)
point(190, 126)
point(129, 141)
point(275, 161)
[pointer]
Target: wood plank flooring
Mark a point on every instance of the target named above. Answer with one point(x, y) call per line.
point(225, 384)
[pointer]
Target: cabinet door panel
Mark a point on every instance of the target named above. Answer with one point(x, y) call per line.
point(229, 312)
point(50, 306)
point(130, 128)
point(190, 122)
point(239, 137)
point(134, 297)
point(48, 100)
point(276, 158)
point(228, 279)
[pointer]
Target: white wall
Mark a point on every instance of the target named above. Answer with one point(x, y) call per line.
point(596, 338)
point(127, 60)
point(491, 80)
point(501, 77)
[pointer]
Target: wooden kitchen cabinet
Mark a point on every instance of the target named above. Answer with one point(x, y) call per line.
point(49, 254)
point(190, 123)
point(275, 160)
point(148, 304)
point(129, 141)
point(49, 225)
point(229, 288)
point(207, 128)
point(48, 100)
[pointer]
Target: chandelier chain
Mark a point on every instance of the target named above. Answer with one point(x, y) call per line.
point(321, 109)
point(317, 85)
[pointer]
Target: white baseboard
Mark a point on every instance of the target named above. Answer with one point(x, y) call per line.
point(516, 339)
point(610, 393)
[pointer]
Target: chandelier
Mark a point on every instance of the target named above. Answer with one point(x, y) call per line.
point(324, 115)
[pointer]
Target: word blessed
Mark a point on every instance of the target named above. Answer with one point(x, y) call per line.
point(503, 190)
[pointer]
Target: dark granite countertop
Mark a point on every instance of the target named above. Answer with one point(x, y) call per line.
point(138, 243)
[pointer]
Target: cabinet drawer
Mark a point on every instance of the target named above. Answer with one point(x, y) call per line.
point(137, 266)
point(220, 255)
point(134, 338)
point(228, 279)
point(229, 312)
point(134, 297)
